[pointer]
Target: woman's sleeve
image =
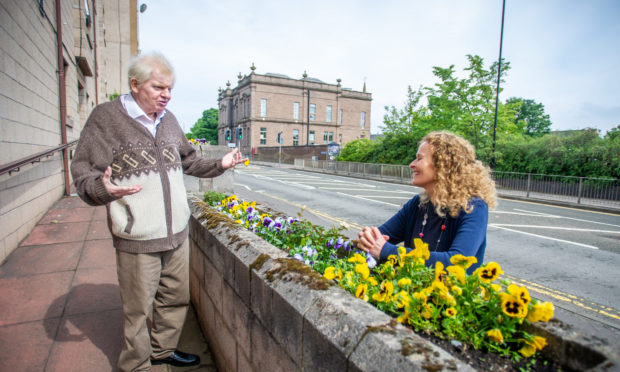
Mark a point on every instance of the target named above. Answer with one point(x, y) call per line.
point(396, 228)
point(471, 232)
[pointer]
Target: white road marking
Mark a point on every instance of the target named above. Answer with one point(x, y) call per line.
point(242, 185)
point(372, 200)
point(387, 197)
point(558, 228)
point(341, 188)
point(544, 237)
point(569, 218)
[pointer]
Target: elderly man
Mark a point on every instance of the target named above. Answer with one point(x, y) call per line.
point(131, 158)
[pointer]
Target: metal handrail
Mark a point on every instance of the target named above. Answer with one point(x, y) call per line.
point(14, 166)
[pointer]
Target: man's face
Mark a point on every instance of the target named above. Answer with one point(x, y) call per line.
point(154, 94)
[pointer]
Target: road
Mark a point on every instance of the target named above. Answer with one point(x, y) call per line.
point(568, 256)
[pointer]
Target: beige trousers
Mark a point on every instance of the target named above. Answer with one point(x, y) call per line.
point(158, 282)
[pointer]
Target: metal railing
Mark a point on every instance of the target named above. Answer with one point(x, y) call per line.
point(602, 192)
point(16, 165)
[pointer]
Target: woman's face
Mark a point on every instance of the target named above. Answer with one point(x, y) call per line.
point(423, 168)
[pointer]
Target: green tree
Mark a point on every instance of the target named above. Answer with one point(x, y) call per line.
point(466, 106)
point(531, 117)
point(358, 150)
point(206, 126)
point(613, 134)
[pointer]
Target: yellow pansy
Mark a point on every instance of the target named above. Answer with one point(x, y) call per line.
point(530, 347)
point(421, 296)
point(512, 306)
point(496, 335)
point(464, 262)
point(548, 312)
point(458, 272)
point(540, 312)
point(332, 272)
point(404, 282)
point(520, 292)
point(456, 290)
point(357, 258)
point(362, 269)
point(421, 249)
point(450, 312)
point(372, 281)
point(362, 292)
point(439, 272)
point(385, 291)
point(489, 272)
point(392, 259)
point(403, 299)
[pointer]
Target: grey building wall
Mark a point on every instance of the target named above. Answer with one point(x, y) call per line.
point(29, 95)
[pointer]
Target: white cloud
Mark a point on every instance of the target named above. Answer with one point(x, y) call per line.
point(562, 53)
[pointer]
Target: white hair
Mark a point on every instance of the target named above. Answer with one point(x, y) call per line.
point(141, 67)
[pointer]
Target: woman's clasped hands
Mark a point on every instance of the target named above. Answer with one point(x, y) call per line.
point(371, 240)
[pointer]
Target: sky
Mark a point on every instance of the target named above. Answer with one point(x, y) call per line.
point(563, 54)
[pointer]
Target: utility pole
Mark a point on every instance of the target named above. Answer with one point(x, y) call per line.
point(499, 73)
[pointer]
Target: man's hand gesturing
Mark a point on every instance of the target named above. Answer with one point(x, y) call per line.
point(118, 191)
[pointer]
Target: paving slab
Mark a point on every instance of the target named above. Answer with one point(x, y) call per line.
point(60, 306)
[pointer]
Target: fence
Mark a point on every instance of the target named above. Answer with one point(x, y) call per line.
point(601, 192)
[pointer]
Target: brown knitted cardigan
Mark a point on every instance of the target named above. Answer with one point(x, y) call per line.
point(154, 219)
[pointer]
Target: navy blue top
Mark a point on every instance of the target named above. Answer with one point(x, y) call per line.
point(466, 234)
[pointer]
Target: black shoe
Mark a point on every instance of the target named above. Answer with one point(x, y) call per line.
point(178, 359)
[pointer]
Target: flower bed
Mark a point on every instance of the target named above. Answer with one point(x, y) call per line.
point(479, 309)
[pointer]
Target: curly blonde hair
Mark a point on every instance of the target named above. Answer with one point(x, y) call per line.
point(459, 176)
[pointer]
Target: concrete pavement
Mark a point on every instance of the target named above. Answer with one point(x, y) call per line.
point(60, 306)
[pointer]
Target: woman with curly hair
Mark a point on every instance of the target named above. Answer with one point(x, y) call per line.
point(452, 212)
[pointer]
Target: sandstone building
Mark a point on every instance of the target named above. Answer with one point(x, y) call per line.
point(58, 58)
point(304, 111)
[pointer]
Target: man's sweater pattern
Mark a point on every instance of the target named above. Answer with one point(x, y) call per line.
point(154, 219)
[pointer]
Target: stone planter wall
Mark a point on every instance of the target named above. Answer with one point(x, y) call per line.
point(263, 311)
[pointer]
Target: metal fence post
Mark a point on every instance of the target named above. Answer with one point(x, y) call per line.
point(580, 190)
point(529, 182)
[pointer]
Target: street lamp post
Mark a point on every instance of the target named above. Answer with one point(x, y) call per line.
point(499, 72)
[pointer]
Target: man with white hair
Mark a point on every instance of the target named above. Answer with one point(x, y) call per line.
point(131, 157)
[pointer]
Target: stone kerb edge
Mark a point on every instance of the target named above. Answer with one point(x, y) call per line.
point(329, 327)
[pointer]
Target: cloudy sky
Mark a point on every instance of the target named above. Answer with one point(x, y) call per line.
point(564, 54)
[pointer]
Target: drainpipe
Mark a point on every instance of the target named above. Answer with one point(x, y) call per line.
point(62, 96)
point(95, 43)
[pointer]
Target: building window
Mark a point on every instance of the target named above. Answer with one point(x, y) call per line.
point(363, 120)
point(340, 138)
point(263, 136)
point(312, 111)
point(331, 137)
point(311, 137)
point(263, 107)
point(296, 110)
point(325, 137)
point(328, 114)
point(340, 117)
point(295, 137)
